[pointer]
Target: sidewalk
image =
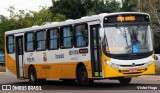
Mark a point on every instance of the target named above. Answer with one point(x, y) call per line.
point(2, 73)
point(150, 77)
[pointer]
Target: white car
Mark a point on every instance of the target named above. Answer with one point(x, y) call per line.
point(157, 57)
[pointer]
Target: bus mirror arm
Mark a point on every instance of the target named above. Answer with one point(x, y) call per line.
point(101, 33)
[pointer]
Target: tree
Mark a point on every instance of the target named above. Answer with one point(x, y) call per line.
point(127, 6)
point(96, 7)
point(59, 17)
point(72, 9)
point(5, 25)
point(112, 6)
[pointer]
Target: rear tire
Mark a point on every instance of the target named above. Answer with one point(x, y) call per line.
point(32, 76)
point(82, 77)
point(125, 81)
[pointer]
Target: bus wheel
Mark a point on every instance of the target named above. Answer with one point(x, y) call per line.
point(124, 81)
point(82, 77)
point(32, 76)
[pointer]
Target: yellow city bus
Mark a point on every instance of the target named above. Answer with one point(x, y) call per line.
point(105, 46)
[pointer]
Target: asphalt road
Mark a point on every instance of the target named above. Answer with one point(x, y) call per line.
point(140, 84)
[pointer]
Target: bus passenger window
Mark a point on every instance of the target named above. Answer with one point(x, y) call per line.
point(10, 44)
point(81, 36)
point(53, 39)
point(41, 40)
point(66, 37)
point(29, 42)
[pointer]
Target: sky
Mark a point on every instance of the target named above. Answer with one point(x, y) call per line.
point(26, 5)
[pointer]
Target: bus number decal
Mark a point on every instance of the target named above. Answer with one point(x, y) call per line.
point(73, 52)
point(59, 56)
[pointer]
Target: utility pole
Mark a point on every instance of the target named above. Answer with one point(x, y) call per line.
point(138, 6)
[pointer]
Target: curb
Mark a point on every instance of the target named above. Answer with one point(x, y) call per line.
point(150, 76)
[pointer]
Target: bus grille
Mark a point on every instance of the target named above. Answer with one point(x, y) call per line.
point(132, 66)
point(137, 72)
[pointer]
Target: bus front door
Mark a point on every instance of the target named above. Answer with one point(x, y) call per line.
point(19, 56)
point(95, 51)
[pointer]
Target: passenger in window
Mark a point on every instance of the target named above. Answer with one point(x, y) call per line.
point(134, 38)
point(39, 46)
point(80, 36)
point(54, 39)
point(41, 40)
point(30, 42)
point(67, 37)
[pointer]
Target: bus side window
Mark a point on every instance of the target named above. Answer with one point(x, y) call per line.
point(81, 35)
point(41, 40)
point(53, 35)
point(10, 44)
point(29, 39)
point(66, 37)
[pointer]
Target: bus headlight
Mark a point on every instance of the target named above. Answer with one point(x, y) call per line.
point(152, 59)
point(112, 64)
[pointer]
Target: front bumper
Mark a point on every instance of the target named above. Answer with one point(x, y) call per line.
point(110, 72)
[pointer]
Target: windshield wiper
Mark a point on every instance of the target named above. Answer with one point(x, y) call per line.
point(123, 34)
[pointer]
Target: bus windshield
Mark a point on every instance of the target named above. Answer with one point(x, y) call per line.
point(128, 39)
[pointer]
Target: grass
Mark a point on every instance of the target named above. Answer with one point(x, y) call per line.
point(2, 69)
point(157, 70)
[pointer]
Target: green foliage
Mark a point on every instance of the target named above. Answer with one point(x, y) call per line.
point(23, 20)
point(74, 9)
point(5, 25)
point(157, 71)
point(112, 6)
point(127, 5)
point(59, 17)
point(70, 8)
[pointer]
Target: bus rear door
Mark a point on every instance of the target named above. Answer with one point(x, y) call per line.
point(19, 56)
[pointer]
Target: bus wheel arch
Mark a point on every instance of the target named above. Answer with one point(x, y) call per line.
point(32, 75)
point(82, 75)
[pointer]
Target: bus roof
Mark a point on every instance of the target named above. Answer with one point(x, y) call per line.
point(69, 22)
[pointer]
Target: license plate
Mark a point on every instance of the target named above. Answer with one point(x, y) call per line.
point(133, 70)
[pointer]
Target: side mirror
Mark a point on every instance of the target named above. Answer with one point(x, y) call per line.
point(101, 32)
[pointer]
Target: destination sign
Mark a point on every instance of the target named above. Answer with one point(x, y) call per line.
point(126, 18)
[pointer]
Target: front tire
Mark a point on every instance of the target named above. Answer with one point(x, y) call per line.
point(32, 76)
point(82, 77)
point(125, 81)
